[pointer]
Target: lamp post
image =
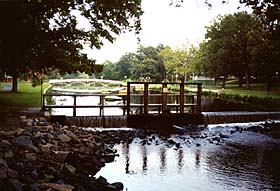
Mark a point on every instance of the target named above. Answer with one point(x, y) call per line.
point(176, 77)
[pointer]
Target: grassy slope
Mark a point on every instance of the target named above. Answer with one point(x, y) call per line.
point(258, 90)
point(27, 96)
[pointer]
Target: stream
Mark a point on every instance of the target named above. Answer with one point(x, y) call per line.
point(217, 158)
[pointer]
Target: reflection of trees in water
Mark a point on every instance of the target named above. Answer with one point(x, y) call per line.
point(180, 157)
point(145, 159)
point(125, 151)
point(253, 166)
point(162, 155)
point(197, 158)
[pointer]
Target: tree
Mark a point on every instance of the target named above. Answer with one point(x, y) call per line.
point(179, 61)
point(231, 43)
point(109, 71)
point(150, 63)
point(124, 65)
point(39, 35)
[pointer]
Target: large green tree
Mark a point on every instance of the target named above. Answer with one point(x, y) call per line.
point(150, 63)
point(40, 35)
point(231, 44)
point(179, 61)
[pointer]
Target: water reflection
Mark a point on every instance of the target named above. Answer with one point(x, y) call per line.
point(162, 154)
point(145, 159)
point(242, 163)
point(180, 162)
point(125, 149)
point(197, 158)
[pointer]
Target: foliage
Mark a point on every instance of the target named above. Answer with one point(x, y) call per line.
point(146, 63)
point(109, 70)
point(233, 45)
point(181, 62)
point(43, 35)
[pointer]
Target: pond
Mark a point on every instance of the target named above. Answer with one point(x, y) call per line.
point(240, 160)
point(208, 105)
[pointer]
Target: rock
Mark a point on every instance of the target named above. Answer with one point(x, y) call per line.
point(29, 123)
point(33, 148)
point(23, 117)
point(171, 141)
point(31, 156)
point(9, 154)
point(5, 145)
point(34, 173)
point(59, 187)
point(3, 163)
point(36, 187)
point(17, 185)
point(118, 185)
point(8, 133)
point(64, 138)
point(12, 173)
point(46, 148)
point(3, 172)
point(73, 136)
point(60, 156)
point(223, 136)
point(69, 169)
point(19, 131)
point(38, 134)
point(22, 140)
point(101, 181)
point(109, 157)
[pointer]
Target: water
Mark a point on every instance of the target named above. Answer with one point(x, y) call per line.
point(208, 105)
point(242, 161)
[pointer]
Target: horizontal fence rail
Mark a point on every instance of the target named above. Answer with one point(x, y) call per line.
point(126, 104)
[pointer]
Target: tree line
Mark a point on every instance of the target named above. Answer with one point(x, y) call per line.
point(39, 36)
point(237, 45)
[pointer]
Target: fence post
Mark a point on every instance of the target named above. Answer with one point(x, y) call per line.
point(74, 107)
point(146, 94)
point(128, 99)
point(182, 98)
point(198, 100)
point(101, 109)
point(164, 97)
point(43, 103)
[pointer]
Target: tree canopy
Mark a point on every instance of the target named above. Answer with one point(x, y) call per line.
point(239, 45)
point(40, 35)
point(145, 63)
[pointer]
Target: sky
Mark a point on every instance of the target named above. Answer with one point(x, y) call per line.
point(167, 25)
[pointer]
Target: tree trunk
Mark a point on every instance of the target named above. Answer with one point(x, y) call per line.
point(240, 81)
point(15, 85)
point(224, 83)
point(247, 75)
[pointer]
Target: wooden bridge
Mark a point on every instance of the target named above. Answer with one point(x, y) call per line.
point(136, 103)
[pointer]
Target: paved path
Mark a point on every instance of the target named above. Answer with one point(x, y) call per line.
point(6, 86)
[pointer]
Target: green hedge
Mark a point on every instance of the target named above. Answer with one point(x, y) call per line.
point(266, 102)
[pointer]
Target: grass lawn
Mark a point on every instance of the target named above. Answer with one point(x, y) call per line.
point(258, 89)
point(27, 96)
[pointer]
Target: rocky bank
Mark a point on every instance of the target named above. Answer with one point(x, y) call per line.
point(39, 156)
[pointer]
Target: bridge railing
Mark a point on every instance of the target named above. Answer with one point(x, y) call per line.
point(130, 106)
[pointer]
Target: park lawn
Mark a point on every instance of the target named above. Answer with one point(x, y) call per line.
point(27, 96)
point(258, 89)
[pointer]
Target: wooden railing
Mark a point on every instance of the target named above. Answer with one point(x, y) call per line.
point(143, 107)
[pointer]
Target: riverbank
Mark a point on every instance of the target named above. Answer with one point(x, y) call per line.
point(38, 155)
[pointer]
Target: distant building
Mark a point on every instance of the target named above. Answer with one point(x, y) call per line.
point(8, 79)
point(204, 80)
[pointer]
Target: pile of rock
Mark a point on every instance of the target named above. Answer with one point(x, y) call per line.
point(43, 156)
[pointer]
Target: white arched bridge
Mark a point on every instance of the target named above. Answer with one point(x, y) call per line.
point(86, 82)
point(88, 85)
